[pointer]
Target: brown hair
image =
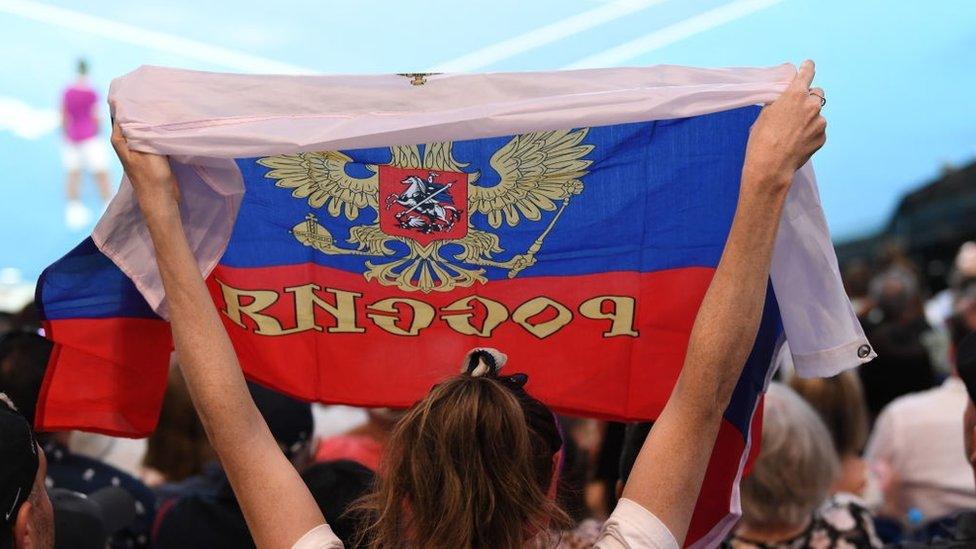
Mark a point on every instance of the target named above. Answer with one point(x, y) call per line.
point(178, 448)
point(840, 402)
point(467, 466)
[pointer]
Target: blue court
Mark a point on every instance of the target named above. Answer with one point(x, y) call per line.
point(899, 75)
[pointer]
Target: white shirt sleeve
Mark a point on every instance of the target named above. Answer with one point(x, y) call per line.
point(320, 537)
point(825, 335)
point(630, 526)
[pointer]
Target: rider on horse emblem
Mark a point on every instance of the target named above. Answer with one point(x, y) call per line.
point(428, 205)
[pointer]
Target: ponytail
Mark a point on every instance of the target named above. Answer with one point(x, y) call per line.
point(468, 466)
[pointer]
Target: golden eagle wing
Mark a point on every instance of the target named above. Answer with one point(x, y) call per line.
point(321, 177)
point(536, 170)
point(439, 156)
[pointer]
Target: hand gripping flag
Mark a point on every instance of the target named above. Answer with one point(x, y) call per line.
point(359, 234)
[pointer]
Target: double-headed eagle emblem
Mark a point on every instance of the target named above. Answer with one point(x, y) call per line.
point(538, 172)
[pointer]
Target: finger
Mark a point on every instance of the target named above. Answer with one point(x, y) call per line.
point(119, 143)
point(815, 103)
point(116, 128)
point(804, 76)
point(820, 125)
point(118, 140)
point(817, 140)
point(819, 94)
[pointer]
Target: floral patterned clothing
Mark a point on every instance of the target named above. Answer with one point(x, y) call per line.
point(841, 523)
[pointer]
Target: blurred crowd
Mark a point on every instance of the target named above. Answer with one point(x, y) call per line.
point(871, 456)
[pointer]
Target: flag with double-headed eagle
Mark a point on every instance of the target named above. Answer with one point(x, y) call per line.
point(360, 233)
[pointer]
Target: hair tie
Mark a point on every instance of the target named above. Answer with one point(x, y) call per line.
point(488, 362)
point(483, 361)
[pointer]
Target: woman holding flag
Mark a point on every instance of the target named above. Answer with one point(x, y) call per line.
point(474, 463)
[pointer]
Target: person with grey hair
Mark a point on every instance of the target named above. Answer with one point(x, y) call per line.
point(786, 499)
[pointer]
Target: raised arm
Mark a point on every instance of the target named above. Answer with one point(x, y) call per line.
point(670, 468)
point(276, 503)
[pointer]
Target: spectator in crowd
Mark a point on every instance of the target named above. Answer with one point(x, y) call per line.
point(23, 360)
point(786, 499)
point(336, 485)
point(82, 149)
point(202, 510)
point(474, 462)
point(959, 530)
point(26, 519)
point(916, 439)
point(178, 448)
point(70, 471)
point(903, 364)
point(840, 402)
point(939, 308)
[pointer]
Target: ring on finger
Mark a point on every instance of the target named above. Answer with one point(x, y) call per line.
point(823, 100)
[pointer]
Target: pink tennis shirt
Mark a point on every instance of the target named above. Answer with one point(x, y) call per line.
point(79, 108)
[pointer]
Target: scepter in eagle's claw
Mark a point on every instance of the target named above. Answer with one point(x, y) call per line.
point(524, 261)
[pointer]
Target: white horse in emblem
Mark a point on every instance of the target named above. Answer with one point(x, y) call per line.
point(429, 206)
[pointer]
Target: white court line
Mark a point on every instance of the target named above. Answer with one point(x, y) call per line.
point(673, 33)
point(543, 35)
point(159, 41)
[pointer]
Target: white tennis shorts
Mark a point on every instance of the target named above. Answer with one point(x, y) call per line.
point(88, 154)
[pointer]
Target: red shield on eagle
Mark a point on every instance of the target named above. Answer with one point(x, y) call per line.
point(423, 204)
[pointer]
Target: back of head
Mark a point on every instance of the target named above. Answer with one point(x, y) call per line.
point(895, 291)
point(335, 485)
point(796, 466)
point(19, 462)
point(23, 361)
point(840, 402)
point(82, 67)
point(470, 465)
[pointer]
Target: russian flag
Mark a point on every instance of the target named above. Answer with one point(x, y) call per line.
point(107, 371)
point(357, 268)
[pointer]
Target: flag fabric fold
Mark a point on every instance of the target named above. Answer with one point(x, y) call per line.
point(359, 233)
point(108, 367)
